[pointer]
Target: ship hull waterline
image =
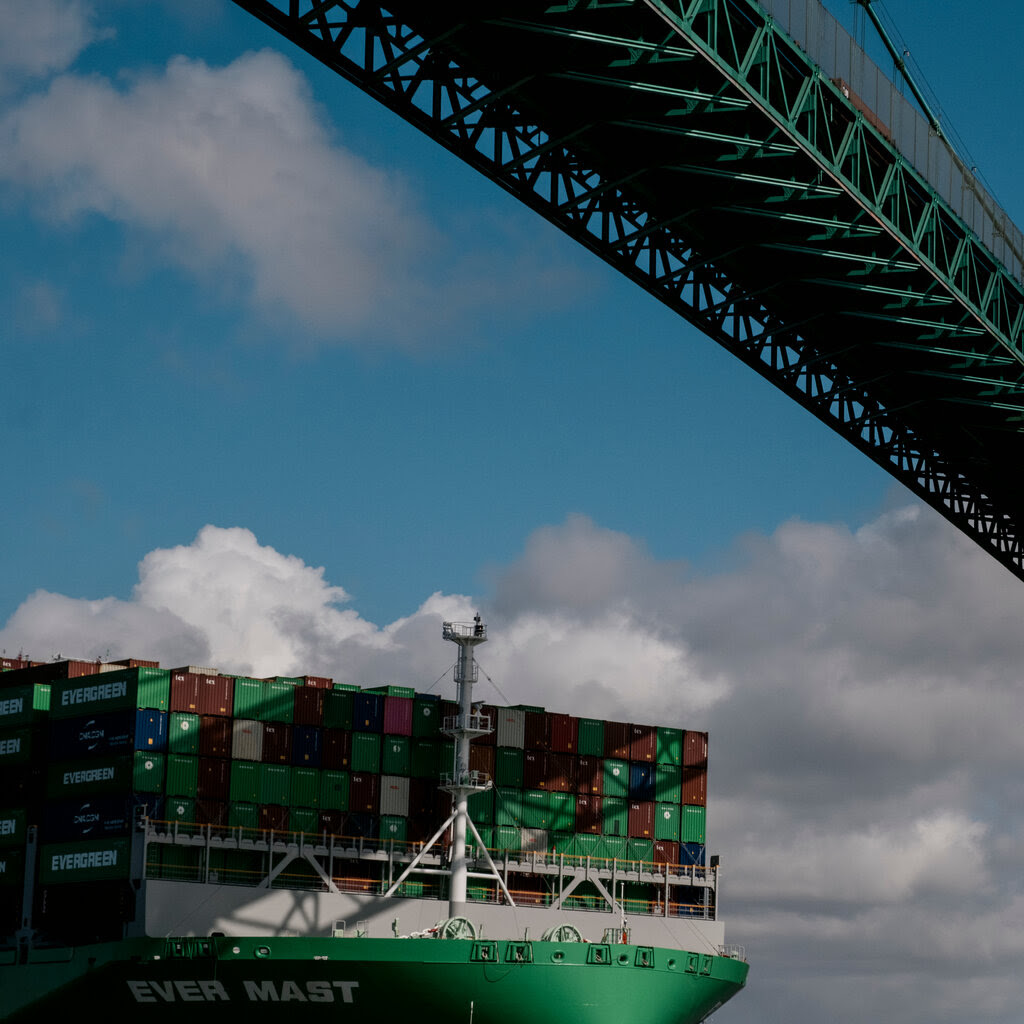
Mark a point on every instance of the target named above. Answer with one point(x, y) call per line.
point(362, 980)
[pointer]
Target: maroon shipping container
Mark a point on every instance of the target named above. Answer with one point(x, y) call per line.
point(589, 775)
point(564, 730)
point(398, 716)
point(490, 739)
point(588, 814)
point(534, 769)
point(337, 753)
point(277, 743)
point(666, 852)
point(364, 793)
point(423, 799)
point(135, 663)
point(641, 820)
point(330, 822)
point(695, 786)
point(560, 774)
point(212, 812)
point(319, 682)
point(616, 740)
point(481, 759)
point(308, 707)
point(214, 779)
point(36, 672)
point(202, 694)
point(643, 743)
point(215, 735)
point(695, 749)
point(537, 730)
point(274, 816)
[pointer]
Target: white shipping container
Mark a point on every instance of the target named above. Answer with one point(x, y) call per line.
point(394, 795)
point(533, 840)
point(511, 728)
point(246, 739)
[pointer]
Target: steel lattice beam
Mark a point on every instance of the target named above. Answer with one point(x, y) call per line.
point(607, 116)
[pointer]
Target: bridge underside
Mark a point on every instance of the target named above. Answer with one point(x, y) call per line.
point(698, 150)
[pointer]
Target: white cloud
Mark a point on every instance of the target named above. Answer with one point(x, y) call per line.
point(42, 37)
point(861, 689)
point(231, 174)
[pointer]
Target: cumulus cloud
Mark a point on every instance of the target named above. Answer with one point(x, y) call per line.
point(232, 174)
point(43, 37)
point(861, 690)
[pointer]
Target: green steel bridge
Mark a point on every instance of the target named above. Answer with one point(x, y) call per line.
point(749, 166)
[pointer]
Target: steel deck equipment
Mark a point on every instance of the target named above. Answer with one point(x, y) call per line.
point(734, 172)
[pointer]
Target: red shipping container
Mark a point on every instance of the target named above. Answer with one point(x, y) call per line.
point(537, 731)
point(695, 749)
point(364, 793)
point(423, 799)
point(319, 682)
point(641, 820)
point(588, 814)
point(215, 735)
point(564, 729)
point(666, 852)
point(337, 752)
point(202, 694)
point(277, 743)
point(481, 759)
point(560, 773)
point(589, 775)
point(695, 786)
point(330, 822)
point(643, 743)
point(616, 740)
point(308, 707)
point(274, 817)
point(488, 739)
point(398, 716)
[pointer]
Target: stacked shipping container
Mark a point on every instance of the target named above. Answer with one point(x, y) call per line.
point(195, 746)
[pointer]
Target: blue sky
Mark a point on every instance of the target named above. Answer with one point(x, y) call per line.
point(284, 384)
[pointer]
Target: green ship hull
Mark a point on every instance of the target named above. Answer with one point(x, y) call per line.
point(362, 980)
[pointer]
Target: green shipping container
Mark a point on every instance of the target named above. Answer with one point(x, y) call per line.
point(334, 790)
point(692, 827)
point(481, 807)
point(616, 778)
point(426, 718)
point(586, 845)
point(12, 867)
point(508, 807)
point(562, 842)
point(508, 767)
point(148, 772)
point(615, 814)
point(72, 780)
point(393, 826)
point(563, 811)
point(23, 705)
point(13, 827)
point(248, 697)
point(243, 815)
point(245, 782)
point(278, 703)
point(507, 838)
point(668, 783)
point(338, 708)
point(305, 788)
point(275, 784)
point(536, 805)
point(182, 775)
point(181, 809)
point(615, 847)
point(183, 733)
point(670, 746)
point(304, 819)
point(666, 822)
point(640, 850)
point(366, 752)
point(423, 757)
point(396, 756)
point(16, 745)
point(590, 739)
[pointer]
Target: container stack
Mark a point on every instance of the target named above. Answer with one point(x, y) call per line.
point(85, 748)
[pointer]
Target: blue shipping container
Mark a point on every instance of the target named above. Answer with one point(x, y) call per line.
point(307, 746)
point(368, 712)
point(641, 782)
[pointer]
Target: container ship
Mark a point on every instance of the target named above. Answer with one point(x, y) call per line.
point(182, 841)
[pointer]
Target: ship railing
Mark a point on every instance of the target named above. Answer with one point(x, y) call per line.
point(733, 952)
point(475, 725)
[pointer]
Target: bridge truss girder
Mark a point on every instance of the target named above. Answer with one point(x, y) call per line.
point(696, 149)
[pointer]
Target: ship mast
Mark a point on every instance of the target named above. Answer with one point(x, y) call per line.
point(462, 727)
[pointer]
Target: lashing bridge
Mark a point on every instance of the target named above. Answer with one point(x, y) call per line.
point(747, 165)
